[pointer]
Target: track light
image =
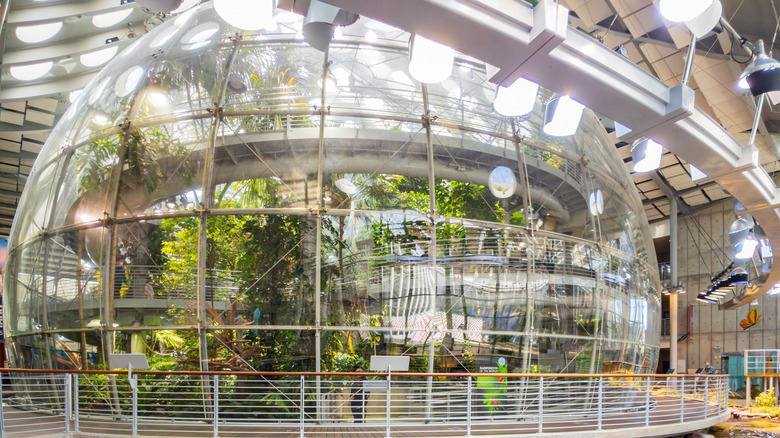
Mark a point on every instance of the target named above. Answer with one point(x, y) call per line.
point(246, 14)
point(517, 99)
point(430, 62)
point(320, 22)
point(703, 23)
point(746, 249)
point(562, 116)
point(762, 75)
point(646, 155)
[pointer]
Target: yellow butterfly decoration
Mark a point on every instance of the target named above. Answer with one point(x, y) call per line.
point(751, 320)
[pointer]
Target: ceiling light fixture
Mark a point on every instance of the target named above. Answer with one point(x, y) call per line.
point(319, 22)
point(702, 24)
point(430, 62)
point(38, 33)
point(98, 57)
point(740, 229)
point(517, 99)
point(30, 72)
point(562, 116)
point(247, 14)
point(646, 155)
point(762, 75)
point(111, 18)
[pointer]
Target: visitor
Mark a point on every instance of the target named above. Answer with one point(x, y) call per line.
point(709, 369)
point(358, 399)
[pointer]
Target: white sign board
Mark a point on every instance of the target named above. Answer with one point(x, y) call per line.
point(389, 363)
point(136, 361)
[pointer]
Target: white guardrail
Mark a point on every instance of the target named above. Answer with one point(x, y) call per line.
point(323, 405)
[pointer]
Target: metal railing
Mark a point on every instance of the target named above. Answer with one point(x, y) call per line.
point(324, 404)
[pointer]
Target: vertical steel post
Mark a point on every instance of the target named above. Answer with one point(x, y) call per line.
point(681, 384)
point(76, 403)
point(134, 390)
point(387, 407)
point(468, 407)
point(673, 296)
point(706, 395)
point(647, 402)
point(541, 403)
point(216, 406)
point(720, 394)
point(2, 413)
point(600, 401)
point(300, 426)
point(67, 382)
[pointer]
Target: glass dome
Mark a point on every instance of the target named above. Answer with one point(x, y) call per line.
point(218, 200)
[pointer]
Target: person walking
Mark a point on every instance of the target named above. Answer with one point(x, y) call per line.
point(358, 399)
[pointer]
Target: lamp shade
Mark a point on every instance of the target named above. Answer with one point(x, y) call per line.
point(762, 75)
point(683, 10)
point(739, 230)
point(562, 116)
point(517, 99)
point(430, 61)
point(646, 155)
point(703, 23)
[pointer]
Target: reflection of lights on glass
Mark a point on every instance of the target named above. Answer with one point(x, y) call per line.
point(596, 203)
point(371, 36)
point(502, 182)
point(430, 61)
point(247, 14)
point(101, 119)
point(127, 82)
point(346, 186)
point(746, 249)
point(199, 36)
point(75, 95)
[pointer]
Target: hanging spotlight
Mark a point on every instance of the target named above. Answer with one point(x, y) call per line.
point(740, 229)
point(762, 75)
point(246, 14)
point(318, 25)
point(517, 99)
point(646, 155)
point(562, 116)
point(596, 203)
point(430, 61)
point(746, 249)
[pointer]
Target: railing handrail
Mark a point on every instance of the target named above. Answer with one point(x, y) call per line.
point(367, 374)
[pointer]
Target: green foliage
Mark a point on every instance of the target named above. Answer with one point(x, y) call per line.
point(766, 399)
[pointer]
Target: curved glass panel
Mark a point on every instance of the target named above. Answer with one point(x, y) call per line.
point(233, 202)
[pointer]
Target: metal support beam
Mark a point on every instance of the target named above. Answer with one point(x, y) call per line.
point(673, 296)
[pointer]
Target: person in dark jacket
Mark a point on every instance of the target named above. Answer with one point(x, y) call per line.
point(358, 399)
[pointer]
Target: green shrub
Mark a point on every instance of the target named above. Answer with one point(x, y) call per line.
point(766, 399)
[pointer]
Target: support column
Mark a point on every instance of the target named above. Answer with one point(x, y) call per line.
point(673, 295)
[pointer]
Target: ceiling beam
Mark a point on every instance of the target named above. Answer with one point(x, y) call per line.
point(682, 192)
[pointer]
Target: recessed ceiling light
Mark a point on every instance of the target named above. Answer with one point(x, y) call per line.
point(30, 72)
point(111, 18)
point(38, 32)
point(98, 57)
